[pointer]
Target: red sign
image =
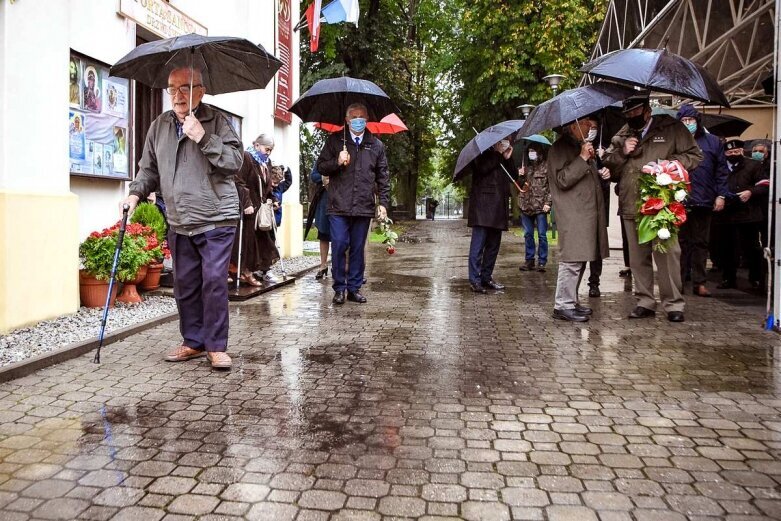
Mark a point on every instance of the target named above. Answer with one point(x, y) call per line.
point(284, 53)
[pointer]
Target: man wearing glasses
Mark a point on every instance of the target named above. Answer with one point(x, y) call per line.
point(190, 155)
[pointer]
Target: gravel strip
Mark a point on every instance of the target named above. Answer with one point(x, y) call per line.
point(49, 335)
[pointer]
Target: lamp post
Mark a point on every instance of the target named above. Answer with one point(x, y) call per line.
point(526, 109)
point(554, 80)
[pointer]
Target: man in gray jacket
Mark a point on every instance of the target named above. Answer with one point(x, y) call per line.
point(191, 158)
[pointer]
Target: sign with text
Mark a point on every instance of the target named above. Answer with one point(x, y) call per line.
point(160, 17)
point(285, 53)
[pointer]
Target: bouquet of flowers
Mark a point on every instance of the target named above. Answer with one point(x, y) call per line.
point(663, 188)
point(390, 236)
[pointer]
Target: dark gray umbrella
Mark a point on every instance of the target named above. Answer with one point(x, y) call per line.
point(658, 70)
point(228, 64)
point(574, 104)
point(327, 100)
point(724, 125)
point(485, 140)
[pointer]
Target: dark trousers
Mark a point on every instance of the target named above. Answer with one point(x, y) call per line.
point(594, 272)
point(694, 237)
point(348, 233)
point(483, 251)
point(624, 243)
point(742, 239)
point(200, 270)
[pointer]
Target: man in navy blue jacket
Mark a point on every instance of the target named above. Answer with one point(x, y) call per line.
point(708, 193)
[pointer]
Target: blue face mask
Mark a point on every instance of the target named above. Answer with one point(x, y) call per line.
point(358, 125)
point(759, 156)
point(263, 157)
point(692, 127)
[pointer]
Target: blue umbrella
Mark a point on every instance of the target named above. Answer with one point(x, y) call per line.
point(537, 138)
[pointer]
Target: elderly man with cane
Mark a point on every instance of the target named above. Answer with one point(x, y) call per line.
point(191, 155)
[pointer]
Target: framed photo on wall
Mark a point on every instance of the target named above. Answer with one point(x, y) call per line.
point(98, 117)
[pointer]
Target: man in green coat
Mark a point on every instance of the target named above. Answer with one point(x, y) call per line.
point(646, 138)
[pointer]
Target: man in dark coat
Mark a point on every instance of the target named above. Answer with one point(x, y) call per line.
point(355, 164)
point(576, 190)
point(646, 138)
point(488, 213)
point(707, 195)
point(749, 184)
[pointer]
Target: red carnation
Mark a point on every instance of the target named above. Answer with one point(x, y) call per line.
point(391, 250)
point(679, 211)
point(652, 206)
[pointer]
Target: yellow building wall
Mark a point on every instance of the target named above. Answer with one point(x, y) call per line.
point(291, 231)
point(39, 263)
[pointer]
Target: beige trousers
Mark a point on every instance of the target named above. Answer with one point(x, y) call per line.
point(668, 265)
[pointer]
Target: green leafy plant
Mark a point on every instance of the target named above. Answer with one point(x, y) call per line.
point(384, 228)
point(150, 215)
point(97, 254)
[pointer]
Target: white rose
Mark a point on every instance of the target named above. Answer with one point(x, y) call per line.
point(680, 195)
point(664, 180)
point(663, 234)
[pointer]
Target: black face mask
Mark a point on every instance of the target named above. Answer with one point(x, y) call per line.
point(636, 122)
point(734, 160)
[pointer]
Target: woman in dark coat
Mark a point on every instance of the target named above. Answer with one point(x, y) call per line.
point(258, 250)
point(321, 221)
point(488, 213)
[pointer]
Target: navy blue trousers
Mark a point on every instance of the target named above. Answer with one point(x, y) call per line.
point(200, 271)
point(482, 253)
point(348, 233)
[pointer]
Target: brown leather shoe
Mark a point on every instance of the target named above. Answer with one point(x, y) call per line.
point(701, 291)
point(219, 360)
point(182, 353)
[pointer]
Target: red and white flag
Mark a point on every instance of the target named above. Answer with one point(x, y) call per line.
point(313, 21)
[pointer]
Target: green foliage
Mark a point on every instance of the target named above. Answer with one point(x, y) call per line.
point(97, 255)
point(150, 215)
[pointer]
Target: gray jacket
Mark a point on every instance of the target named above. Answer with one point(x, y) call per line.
point(195, 179)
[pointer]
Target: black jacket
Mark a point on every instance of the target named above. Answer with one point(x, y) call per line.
point(351, 188)
point(748, 175)
point(488, 199)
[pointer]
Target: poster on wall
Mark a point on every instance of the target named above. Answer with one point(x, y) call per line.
point(99, 120)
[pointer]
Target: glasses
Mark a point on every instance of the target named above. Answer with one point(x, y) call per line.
point(184, 89)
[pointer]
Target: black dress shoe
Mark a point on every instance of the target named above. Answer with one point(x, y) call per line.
point(641, 312)
point(593, 292)
point(492, 284)
point(675, 316)
point(570, 315)
point(625, 274)
point(727, 284)
point(477, 288)
point(338, 297)
point(583, 310)
point(355, 296)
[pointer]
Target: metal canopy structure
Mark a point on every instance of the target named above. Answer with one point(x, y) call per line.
point(733, 39)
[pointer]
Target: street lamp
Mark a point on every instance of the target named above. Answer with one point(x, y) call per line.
point(526, 109)
point(554, 80)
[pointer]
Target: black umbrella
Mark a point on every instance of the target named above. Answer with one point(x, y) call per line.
point(724, 125)
point(228, 64)
point(485, 140)
point(574, 104)
point(327, 100)
point(658, 70)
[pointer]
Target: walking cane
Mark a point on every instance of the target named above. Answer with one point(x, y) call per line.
point(238, 262)
point(111, 281)
point(276, 245)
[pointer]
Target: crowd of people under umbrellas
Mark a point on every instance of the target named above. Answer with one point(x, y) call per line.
point(194, 159)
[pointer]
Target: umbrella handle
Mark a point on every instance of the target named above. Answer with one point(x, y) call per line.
point(114, 264)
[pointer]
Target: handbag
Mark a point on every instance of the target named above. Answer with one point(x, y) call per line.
point(264, 217)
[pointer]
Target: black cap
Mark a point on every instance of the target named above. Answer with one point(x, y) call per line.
point(732, 144)
point(635, 101)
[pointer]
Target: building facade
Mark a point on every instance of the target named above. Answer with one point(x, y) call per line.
point(59, 181)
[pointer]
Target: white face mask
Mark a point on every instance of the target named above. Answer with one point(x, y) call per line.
point(503, 145)
point(532, 155)
point(592, 135)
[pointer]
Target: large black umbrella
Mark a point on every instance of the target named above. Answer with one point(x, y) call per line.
point(574, 104)
point(724, 125)
point(228, 64)
point(327, 100)
point(485, 140)
point(658, 70)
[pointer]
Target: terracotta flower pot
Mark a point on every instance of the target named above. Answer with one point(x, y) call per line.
point(93, 291)
point(129, 293)
point(152, 279)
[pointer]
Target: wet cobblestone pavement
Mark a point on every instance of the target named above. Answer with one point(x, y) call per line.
point(428, 403)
